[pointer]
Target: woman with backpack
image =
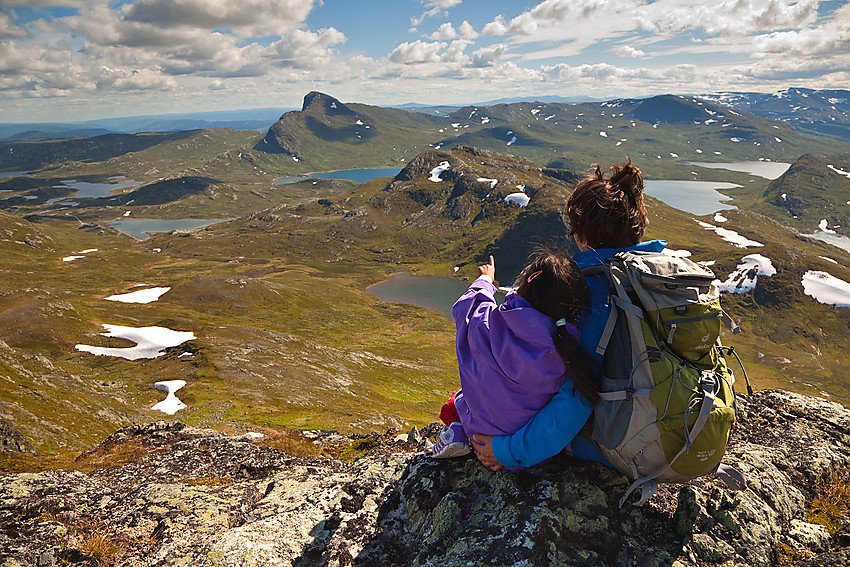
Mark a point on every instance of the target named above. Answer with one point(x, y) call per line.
point(607, 215)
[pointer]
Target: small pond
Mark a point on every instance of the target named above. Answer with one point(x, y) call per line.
point(833, 238)
point(696, 197)
point(86, 189)
point(11, 174)
point(766, 169)
point(433, 292)
point(140, 228)
point(356, 175)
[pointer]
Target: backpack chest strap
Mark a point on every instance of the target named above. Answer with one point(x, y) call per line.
point(626, 394)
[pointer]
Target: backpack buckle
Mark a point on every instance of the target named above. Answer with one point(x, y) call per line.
point(654, 354)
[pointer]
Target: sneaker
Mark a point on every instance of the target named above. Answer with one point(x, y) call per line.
point(452, 442)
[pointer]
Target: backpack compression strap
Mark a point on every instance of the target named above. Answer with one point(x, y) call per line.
point(709, 388)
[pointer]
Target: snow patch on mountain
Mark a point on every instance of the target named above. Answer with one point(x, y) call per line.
point(826, 288)
point(745, 276)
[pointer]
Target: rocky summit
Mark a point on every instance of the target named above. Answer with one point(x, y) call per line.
point(178, 495)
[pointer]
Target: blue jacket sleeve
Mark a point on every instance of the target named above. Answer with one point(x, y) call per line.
point(547, 433)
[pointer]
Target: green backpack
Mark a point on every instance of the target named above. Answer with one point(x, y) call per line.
point(667, 399)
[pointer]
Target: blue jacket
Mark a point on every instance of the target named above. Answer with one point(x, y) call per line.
point(509, 367)
point(558, 423)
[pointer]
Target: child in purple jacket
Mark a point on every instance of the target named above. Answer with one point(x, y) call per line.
point(515, 356)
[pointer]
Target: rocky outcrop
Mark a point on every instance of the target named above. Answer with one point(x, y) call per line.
point(13, 441)
point(19, 232)
point(196, 497)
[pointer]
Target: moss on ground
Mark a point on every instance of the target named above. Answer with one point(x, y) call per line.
point(831, 505)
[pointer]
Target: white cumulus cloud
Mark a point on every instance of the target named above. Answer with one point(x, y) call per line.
point(8, 28)
point(488, 56)
point(831, 38)
point(728, 17)
point(628, 51)
point(433, 7)
point(246, 18)
point(466, 30)
point(445, 31)
point(411, 53)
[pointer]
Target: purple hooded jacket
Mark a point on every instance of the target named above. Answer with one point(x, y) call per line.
point(509, 368)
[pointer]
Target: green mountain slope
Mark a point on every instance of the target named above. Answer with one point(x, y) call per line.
point(279, 342)
point(286, 334)
point(416, 224)
point(58, 400)
point(815, 188)
point(329, 134)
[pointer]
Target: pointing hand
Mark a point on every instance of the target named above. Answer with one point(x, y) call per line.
point(488, 269)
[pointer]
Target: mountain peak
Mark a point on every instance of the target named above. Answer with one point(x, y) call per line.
point(325, 103)
point(669, 108)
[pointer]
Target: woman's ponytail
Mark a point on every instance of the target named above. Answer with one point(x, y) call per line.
point(581, 368)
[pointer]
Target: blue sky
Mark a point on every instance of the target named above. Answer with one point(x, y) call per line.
point(69, 60)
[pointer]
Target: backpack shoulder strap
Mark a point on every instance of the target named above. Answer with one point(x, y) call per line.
point(617, 297)
point(603, 270)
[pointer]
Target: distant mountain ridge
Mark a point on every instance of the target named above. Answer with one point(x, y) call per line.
point(330, 134)
point(35, 154)
point(825, 112)
point(248, 119)
point(817, 111)
point(350, 131)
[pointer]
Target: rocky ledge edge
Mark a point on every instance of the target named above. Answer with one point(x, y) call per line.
point(199, 497)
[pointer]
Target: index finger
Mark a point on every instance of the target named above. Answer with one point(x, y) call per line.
point(492, 262)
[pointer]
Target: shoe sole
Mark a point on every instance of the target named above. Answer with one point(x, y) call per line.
point(453, 450)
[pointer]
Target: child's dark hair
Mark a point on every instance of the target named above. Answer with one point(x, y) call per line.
point(552, 283)
point(609, 213)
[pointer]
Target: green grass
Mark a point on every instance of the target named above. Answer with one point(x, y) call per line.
point(831, 505)
point(357, 450)
point(288, 336)
point(289, 348)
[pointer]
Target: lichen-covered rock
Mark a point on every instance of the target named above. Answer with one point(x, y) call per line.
point(197, 497)
point(565, 513)
point(460, 513)
point(809, 536)
point(189, 496)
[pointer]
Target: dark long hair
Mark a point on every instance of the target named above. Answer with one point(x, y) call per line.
point(552, 283)
point(609, 212)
